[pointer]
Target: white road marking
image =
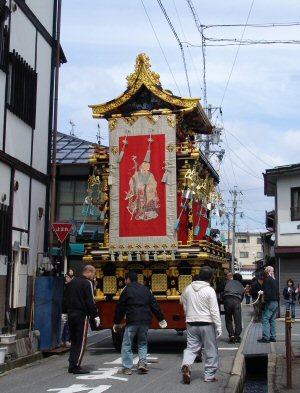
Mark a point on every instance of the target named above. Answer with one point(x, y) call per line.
point(81, 388)
point(103, 373)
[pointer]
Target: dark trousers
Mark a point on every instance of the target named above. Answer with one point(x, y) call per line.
point(232, 306)
point(78, 324)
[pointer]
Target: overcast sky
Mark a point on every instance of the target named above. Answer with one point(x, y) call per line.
point(256, 86)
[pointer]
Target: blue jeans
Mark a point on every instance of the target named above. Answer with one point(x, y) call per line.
point(268, 319)
point(290, 306)
point(130, 332)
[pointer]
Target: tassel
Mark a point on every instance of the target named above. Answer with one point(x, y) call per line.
point(177, 224)
point(112, 258)
point(94, 235)
point(121, 257)
point(147, 256)
point(197, 230)
point(164, 178)
point(223, 238)
point(164, 256)
point(129, 257)
point(173, 255)
point(187, 195)
point(207, 233)
point(138, 256)
point(155, 256)
point(80, 232)
point(121, 156)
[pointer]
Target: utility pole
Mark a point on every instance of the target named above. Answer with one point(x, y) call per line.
point(234, 193)
point(207, 140)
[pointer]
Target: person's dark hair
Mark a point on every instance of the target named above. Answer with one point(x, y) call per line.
point(238, 277)
point(196, 277)
point(131, 275)
point(290, 280)
point(206, 273)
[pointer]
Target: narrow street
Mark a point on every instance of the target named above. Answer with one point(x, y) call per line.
point(165, 355)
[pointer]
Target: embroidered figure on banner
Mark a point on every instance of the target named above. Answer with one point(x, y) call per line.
point(143, 200)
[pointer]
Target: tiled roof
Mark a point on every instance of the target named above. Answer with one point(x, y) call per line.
point(72, 150)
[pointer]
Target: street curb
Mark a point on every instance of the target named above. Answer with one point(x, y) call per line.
point(20, 362)
point(236, 381)
point(272, 358)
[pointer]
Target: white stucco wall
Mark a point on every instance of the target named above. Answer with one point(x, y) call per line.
point(40, 140)
point(21, 201)
point(288, 234)
point(18, 138)
point(22, 36)
point(36, 238)
point(43, 10)
point(5, 181)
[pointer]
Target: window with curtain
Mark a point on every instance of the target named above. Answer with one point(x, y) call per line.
point(295, 203)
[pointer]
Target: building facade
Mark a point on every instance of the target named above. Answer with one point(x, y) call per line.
point(283, 183)
point(27, 73)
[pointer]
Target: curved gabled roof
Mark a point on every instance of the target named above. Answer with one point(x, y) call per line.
point(143, 76)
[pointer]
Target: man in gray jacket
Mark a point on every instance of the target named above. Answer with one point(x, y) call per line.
point(233, 296)
point(203, 323)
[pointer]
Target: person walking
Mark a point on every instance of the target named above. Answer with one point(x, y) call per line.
point(270, 306)
point(289, 294)
point(233, 296)
point(248, 293)
point(65, 336)
point(137, 304)
point(79, 307)
point(203, 323)
point(255, 290)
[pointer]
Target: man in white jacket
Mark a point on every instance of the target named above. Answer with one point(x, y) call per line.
point(203, 323)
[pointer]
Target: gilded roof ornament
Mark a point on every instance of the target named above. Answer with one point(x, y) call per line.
point(143, 73)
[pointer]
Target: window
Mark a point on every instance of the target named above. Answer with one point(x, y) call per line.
point(5, 229)
point(259, 254)
point(242, 240)
point(71, 195)
point(258, 240)
point(23, 83)
point(244, 254)
point(295, 203)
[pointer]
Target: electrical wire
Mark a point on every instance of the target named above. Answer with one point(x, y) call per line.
point(263, 25)
point(189, 51)
point(179, 43)
point(199, 28)
point(161, 48)
point(236, 55)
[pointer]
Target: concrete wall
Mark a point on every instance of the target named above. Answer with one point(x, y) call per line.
point(287, 232)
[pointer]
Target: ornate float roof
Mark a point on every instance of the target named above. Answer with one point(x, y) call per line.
point(139, 84)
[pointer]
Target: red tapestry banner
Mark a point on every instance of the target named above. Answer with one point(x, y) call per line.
point(142, 195)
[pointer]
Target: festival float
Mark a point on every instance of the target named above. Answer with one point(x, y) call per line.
point(156, 192)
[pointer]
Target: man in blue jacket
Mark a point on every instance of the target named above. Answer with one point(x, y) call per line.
point(137, 303)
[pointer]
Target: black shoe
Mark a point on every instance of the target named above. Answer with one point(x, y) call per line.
point(263, 340)
point(186, 374)
point(79, 370)
point(70, 370)
point(237, 339)
point(232, 339)
point(273, 340)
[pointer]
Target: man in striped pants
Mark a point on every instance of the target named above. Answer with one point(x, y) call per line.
point(80, 306)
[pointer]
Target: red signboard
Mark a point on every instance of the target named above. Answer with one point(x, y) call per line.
point(62, 230)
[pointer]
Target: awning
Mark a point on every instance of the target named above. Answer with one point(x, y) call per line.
point(73, 249)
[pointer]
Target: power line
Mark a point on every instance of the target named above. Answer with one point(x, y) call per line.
point(179, 42)
point(161, 47)
point(258, 25)
point(200, 29)
point(237, 42)
point(236, 55)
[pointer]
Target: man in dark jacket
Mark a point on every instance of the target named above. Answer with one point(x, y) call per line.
point(233, 296)
point(136, 303)
point(80, 306)
point(270, 306)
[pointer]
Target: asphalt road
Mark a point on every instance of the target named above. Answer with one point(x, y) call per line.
point(165, 356)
